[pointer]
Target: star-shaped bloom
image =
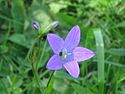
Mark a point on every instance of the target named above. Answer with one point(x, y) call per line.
point(66, 52)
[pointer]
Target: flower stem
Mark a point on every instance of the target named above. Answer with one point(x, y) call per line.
point(36, 77)
point(42, 54)
point(49, 84)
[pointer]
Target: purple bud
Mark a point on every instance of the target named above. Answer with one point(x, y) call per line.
point(35, 25)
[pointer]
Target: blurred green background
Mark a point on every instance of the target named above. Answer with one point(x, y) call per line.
point(24, 52)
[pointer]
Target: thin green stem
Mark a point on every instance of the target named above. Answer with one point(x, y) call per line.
point(100, 59)
point(5, 86)
point(41, 57)
point(9, 19)
point(9, 29)
point(50, 78)
point(36, 77)
point(44, 73)
point(49, 84)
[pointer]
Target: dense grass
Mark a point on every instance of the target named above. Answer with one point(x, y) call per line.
point(24, 51)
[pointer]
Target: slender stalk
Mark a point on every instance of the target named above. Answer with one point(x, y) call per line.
point(49, 84)
point(100, 59)
point(41, 57)
point(50, 78)
point(7, 35)
point(43, 74)
point(37, 79)
point(5, 87)
point(9, 19)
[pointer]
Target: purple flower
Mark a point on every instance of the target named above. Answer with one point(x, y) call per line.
point(66, 52)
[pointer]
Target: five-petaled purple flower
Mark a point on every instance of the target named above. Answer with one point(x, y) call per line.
point(66, 52)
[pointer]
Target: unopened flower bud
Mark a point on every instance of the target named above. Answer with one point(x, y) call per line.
point(35, 25)
point(53, 25)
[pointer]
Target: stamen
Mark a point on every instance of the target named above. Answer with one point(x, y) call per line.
point(63, 54)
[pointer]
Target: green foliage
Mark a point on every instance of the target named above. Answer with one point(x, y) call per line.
point(24, 52)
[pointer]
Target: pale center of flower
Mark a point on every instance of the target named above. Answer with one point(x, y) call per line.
point(63, 54)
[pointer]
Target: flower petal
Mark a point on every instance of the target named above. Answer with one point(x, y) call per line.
point(55, 42)
point(54, 63)
point(73, 38)
point(82, 54)
point(72, 68)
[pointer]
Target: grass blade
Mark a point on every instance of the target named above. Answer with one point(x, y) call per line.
point(100, 59)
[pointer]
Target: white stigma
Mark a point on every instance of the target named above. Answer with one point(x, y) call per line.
point(63, 54)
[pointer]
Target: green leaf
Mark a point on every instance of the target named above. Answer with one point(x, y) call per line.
point(18, 14)
point(89, 39)
point(121, 24)
point(67, 20)
point(78, 88)
point(100, 58)
point(57, 6)
point(20, 39)
point(3, 49)
point(64, 75)
point(117, 51)
point(50, 86)
point(115, 64)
